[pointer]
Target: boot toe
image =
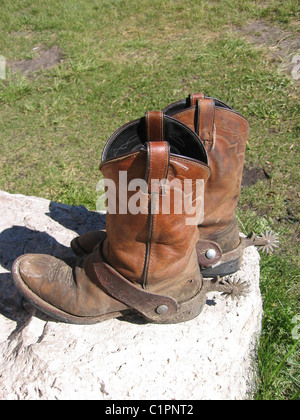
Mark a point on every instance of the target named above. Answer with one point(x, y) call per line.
point(65, 294)
point(32, 268)
point(43, 279)
point(39, 271)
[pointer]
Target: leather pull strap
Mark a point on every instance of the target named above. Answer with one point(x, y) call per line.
point(205, 121)
point(158, 162)
point(155, 125)
point(194, 97)
point(158, 156)
point(158, 149)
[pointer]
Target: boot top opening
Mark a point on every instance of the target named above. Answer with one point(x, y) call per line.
point(132, 137)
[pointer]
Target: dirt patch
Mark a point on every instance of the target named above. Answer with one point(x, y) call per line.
point(252, 174)
point(44, 59)
point(283, 46)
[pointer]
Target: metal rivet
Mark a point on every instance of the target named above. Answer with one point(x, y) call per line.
point(210, 254)
point(162, 309)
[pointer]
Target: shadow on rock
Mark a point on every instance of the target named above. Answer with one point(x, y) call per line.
point(14, 242)
point(19, 240)
point(78, 219)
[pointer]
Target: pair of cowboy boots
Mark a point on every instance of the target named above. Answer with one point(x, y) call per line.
point(173, 182)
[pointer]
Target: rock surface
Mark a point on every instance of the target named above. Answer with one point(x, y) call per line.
point(210, 357)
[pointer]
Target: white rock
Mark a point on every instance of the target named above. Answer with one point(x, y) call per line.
point(210, 357)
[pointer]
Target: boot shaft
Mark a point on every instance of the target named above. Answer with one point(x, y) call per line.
point(152, 230)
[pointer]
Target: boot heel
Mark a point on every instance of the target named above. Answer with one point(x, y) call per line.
point(224, 269)
point(186, 310)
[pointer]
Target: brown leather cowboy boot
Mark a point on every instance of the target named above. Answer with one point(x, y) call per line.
point(147, 263)
point(224, 133)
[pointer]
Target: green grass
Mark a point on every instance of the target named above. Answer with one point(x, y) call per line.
point(122, 58)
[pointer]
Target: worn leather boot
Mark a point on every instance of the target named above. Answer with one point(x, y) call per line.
point(224, 133)
point(146, 263)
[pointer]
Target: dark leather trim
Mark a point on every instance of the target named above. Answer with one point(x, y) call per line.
point(152, 306)
point(133, 136)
